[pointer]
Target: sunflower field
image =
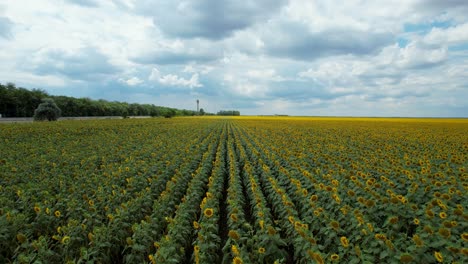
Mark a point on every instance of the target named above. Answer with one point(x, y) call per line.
point(235, 190)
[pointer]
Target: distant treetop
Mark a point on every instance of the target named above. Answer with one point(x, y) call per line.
point(228, 113)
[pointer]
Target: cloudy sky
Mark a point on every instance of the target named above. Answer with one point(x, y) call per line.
point(296, 57)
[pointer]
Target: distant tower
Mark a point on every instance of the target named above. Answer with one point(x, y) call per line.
point(198, 104)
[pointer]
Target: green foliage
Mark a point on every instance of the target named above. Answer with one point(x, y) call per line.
point(47, 110)
point(228, 113)
point(169, 113)
point(21, 102)
point(202, 112)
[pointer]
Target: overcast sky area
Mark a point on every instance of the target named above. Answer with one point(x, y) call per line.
point(296, 57)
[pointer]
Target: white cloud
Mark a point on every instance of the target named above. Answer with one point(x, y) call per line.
point(132, 81)
point(174, 80)
point(452, 35)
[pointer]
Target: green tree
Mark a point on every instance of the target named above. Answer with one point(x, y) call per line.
point(47, 110)
point(170, 113)
point(202, 112)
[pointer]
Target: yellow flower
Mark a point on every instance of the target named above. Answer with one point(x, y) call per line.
point(196, 248)
point(357, 249)
point(237, 260)
point(315, 256)
point(393, 220)
point(429, 213)
point(37, 209)
point(90, 236)
point(271, 230)
point(313, 198)
point(208, 212)
point(418, 241)
point(382, 237)
point(335, 257)
point(335, 225)
point(57, 213)
point(344, 241)
point(406, 258)
point(444, 232)
point(233, 234)
point(416, 221)
point(464, 237)
point(21, 238)
point(235, 250)
point(234, 217)
point(196, 225)
point(438, 256)
point(261, 223)
point(65, 240)
point(443, 215)
point(261, 250)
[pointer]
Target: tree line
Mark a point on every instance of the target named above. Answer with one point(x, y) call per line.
point(21, 102)
point(228, 113)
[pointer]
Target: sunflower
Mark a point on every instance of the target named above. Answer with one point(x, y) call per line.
point(235, 250)
point(313, 198)
point(416, 221)
point(233, 217)
point(438, 256)
point(237, 260)
point(233, 234)
point(418, 241)
point(196, 225)
point(57, 213)
point(335, 225)
point(335, 257)
point(443, 215)
point(370, 203)
point(444, 232)
point(344, 241)
point(208, 212)
point(196, 248)
point(357, 249)
point(429, 213)
point(37, 209)
point(271, 230)
point(65, 240)
point(21, 238)
point(393, 220)
point(464, 236)
point(261, 250)
point(315, 256)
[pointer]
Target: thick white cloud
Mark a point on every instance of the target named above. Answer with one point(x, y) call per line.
point(174, 80)
point(395, 57)
point(132, 81)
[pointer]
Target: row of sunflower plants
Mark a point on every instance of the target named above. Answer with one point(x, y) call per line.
point(264, 243)
point(176, 245)
point(207, 247)
point(299, 236)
